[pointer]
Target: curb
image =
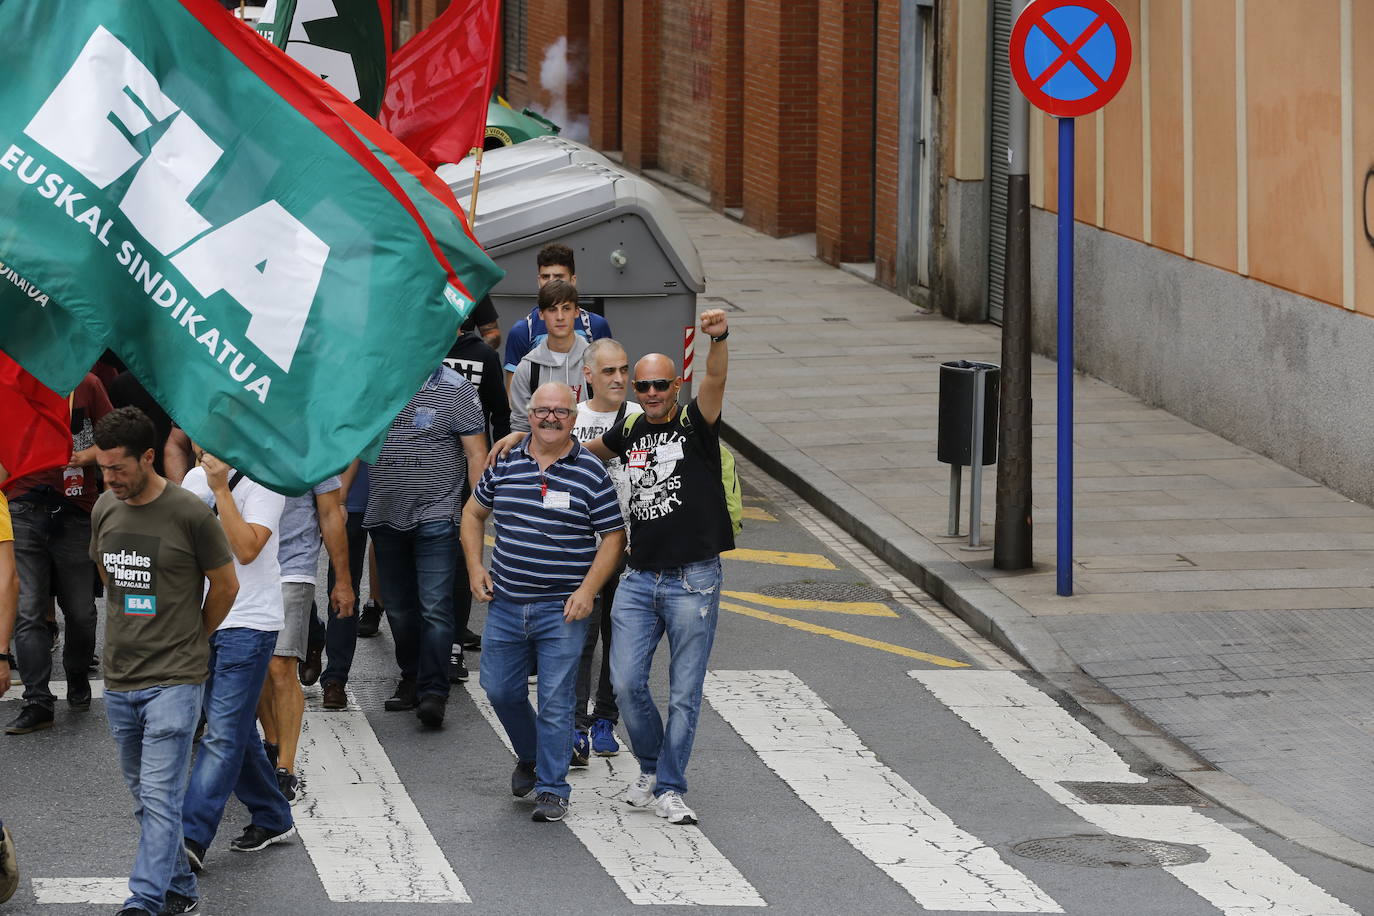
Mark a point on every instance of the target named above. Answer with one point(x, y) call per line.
point(1013, 629)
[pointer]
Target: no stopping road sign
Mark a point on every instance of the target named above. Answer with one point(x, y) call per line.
point(1069, 57)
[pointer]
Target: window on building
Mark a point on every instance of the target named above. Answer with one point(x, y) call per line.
point(514, 14)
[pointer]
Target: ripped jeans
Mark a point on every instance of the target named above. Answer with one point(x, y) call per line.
point(683, 602)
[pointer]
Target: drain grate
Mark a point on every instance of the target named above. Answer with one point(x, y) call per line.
point(1153, 793)
point(826, 591)
point(1109, 852)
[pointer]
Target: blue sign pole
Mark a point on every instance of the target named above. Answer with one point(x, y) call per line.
point(1064, 518)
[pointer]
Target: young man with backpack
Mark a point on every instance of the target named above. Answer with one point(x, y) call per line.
point(558, 358)
point(555, 262)
point(679, 525)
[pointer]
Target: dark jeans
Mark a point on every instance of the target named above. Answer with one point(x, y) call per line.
point(417, 567)
point(231, 757)
point(340, 638)
point(598, 624)
point(46, 543)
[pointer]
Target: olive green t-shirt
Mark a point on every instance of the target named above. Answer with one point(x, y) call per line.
point(155, 557)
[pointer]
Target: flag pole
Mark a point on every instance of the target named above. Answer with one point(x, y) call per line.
point(476, 180)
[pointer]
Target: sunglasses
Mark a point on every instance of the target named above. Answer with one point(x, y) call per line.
point(544, 413)
point(658, 384)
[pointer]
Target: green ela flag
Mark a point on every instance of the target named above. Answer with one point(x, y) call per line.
point(344, 42)
point(278, 271)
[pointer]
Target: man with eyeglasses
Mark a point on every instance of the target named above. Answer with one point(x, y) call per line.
point(679, 525)
point(551, 498)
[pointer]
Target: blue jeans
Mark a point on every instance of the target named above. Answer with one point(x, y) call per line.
point(153, 729)
point(417, 567)
point(514, 636)
point(231, 757)
point(340, 637)
point(684, 603)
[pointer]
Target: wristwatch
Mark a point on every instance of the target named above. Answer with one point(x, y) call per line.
point(721, 337)
point(7, 659)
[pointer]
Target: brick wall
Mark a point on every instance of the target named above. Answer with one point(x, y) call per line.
point(780, 115)
point(727, 104)
point(563, 102)
point(844, 130)
point(684, 114)
point(603, 73)
point(889, 26)
point(639, 91)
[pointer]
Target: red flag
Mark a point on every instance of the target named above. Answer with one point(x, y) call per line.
point(35, 420)
point(440, 83)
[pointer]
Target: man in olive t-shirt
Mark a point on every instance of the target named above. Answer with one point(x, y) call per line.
point(155, 544)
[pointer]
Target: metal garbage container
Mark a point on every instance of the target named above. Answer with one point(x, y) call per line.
point(958, 379)
point(967, 428)
point(636, 265)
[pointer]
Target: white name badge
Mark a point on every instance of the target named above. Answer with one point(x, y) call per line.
point(669, 451)
point(555, 500)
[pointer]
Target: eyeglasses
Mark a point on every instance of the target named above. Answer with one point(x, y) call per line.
point(658, 384)
point(544, 413)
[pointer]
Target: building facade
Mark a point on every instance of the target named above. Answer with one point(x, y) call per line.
point(1225, 248)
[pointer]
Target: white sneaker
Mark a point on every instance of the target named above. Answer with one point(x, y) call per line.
point(641, 791)
point(671, 806)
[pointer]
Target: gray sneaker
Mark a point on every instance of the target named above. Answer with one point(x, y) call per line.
point(549, 807)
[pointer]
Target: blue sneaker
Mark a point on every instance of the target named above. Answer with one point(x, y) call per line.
point(603, 738)
point(581, 748)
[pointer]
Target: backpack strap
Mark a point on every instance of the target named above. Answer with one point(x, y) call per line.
point(629, 422)
point(234, 479)
point(620, 414)
point(534, 377)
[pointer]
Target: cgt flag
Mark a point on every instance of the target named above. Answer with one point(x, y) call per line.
point(441, 81)
point(277, 270)
point(345, 42)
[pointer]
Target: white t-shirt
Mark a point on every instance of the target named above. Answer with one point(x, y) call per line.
point(592, 423)
point(259, 603)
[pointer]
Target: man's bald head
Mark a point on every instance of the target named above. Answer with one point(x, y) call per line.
point(553, 394)
point(656, 386)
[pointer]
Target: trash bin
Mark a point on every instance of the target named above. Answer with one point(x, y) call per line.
point(957, 385)
point(636, 264)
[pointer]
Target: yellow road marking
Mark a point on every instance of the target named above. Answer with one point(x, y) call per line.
point(843, 636)
point(756, 514)
point(779, 558)
point(856, 608)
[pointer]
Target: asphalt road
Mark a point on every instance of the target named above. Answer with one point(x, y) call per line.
point(859, 750)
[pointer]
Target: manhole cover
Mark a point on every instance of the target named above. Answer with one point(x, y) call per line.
point(1116, 793)
point(826, 591)
point(1109, 852)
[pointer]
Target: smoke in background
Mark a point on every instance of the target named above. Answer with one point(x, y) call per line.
point(554, 74)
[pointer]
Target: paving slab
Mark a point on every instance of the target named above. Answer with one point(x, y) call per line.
point(1224, 601)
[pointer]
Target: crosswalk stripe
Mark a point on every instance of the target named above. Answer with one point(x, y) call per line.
point(59, 690)
point(354, 801)
point(81, 890)
point(1036, 735)
point(652, 861)
point(876, 811)
point(779, 558)
point(855, 608)
point(842, 635)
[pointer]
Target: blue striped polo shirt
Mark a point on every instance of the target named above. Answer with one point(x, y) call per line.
point(543, 551)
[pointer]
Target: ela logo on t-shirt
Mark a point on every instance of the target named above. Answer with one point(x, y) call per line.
point(140, 605)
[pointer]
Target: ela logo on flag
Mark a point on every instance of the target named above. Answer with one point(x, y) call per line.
point(140, 605)
point(268, 261)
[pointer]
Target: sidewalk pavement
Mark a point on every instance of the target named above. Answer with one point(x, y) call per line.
point(1227, 599)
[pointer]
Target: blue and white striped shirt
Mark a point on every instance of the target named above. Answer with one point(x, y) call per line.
point(543, 551)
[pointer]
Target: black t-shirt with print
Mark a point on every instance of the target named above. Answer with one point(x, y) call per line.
point(677, 503)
